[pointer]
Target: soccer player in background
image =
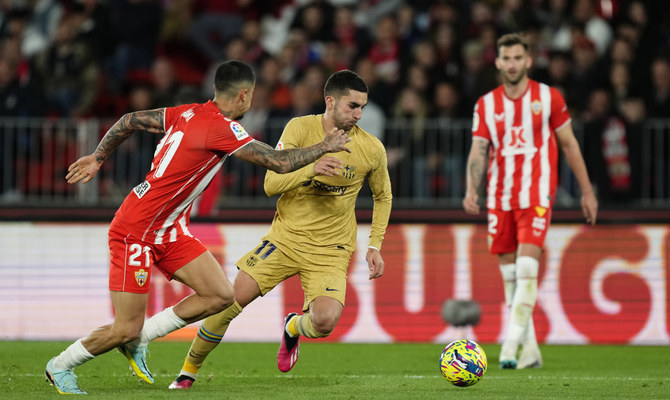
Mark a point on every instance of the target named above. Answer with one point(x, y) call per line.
point(151, 226)
point(313, 233)
point(520, 122)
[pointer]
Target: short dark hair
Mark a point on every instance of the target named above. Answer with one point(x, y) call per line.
point(341, 82)
point(512, 39)
point(231, 74)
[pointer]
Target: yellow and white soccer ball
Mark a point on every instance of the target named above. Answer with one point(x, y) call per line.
point(463, 362)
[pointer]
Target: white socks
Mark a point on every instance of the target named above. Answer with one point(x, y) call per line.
point(524, 299)
point(159, 325)
point(508, 272)
point(73, 356)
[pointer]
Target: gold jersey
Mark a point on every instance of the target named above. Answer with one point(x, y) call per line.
point(317, 213)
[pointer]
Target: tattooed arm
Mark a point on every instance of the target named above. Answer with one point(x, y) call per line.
point(476, 167)
point(86, 168)
point(284, 161)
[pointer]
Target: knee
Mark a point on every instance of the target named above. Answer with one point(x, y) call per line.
point(221, 301)
point(325, 323)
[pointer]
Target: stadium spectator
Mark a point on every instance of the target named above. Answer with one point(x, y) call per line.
point(606, 148)
point(619, 83)
point(380, 92)
point(658, 99)
point(585, 74)
point(595, 28)
point(150, 228)
point(424, 56)
point(43, 21)
point(353, 39)
point(387, 50)
point(254, 52)
point(522, 122)
point(406, 141)
point(477, 76)
point(447, 49)
point(215, 22)
point(68, 71)
point(315, 19)
point(314, 233)
point(557, 72)
point(135, 28)
point(17, 99)
point(164, 82)
point(94, 27)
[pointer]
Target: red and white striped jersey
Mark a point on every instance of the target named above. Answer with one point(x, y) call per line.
point(197, 141)
point(521, 133)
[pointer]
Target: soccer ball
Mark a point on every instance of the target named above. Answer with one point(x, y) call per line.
point(463, 362)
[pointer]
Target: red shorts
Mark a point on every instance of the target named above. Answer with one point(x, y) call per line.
point(509, 228)
point(131, 259)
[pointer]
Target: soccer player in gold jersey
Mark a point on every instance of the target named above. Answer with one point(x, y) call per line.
point(313, 233)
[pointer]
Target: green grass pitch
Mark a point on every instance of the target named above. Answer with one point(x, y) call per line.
point(347, 371)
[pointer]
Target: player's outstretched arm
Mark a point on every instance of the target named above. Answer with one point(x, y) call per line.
point(284, 161)
point(474, 174)
point(573, 155)
point(87, 167)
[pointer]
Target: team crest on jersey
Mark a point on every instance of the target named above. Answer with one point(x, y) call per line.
point(536, 106)
point(349, 171)
point(141, 277)
point(251, 261)
point(279, 146)
point(238, 130)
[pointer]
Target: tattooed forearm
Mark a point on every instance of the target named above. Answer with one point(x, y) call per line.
point(477, 162)
point(281, 161)
point(149, 120)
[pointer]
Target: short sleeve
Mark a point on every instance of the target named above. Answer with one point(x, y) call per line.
point(479, 128)
point(172, 113)
point(227, 136)
point(559, 110)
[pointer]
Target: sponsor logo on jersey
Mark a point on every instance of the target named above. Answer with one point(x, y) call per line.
point(188, 114)
point(329, 188)
point(517, 143)
point(141, 277)
point(141, 189)
point(539, 224)
point(349, 171)
point(332, 290)
point(536, 106)
point(499, 117)
point(279, 146)
point(238, 130)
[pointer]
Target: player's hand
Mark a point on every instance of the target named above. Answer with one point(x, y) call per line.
point(590, 207)
point(470, 204)
point(336, 140)
point(327, 166)
point(375, 263)
point(84, 169)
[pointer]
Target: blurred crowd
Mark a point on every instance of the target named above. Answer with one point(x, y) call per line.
point(422, 59)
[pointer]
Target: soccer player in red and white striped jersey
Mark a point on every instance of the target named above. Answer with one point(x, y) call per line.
point(517, 129)
point(151, 226)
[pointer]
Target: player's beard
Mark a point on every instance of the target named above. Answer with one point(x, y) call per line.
point(522, 73)
point(341, 122)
